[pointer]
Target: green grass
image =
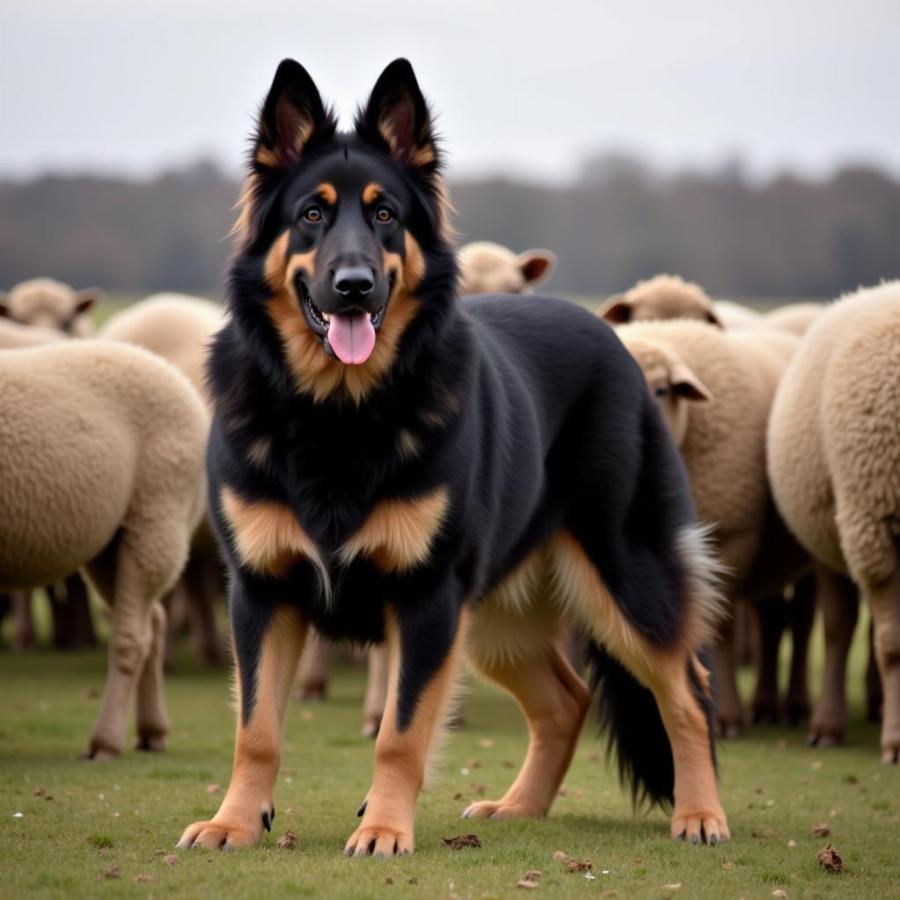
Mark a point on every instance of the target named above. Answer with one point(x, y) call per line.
point(125, 816)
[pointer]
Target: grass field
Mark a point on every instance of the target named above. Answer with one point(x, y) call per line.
point(109, 827)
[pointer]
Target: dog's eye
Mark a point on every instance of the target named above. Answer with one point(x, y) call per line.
point(384, 214)
point(312, 214)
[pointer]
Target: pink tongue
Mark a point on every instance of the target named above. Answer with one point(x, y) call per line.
point(352, 337)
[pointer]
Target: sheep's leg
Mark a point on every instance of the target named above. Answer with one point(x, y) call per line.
point(840, 608)
point(801, 614)
point(771, 612)
point(131, 638)
point(884, 601)
point(729, 713)
point(152, 721)
point(376, 690)
point(24, 621)
point(312, 678)
point(874, 693)
point(202, 580)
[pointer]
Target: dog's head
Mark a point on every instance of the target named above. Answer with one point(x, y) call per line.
point(346, 231)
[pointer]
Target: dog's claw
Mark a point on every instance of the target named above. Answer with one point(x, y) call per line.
point(267, 822)
point(362, 808)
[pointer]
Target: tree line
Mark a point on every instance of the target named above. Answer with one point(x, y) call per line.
point(616, 222)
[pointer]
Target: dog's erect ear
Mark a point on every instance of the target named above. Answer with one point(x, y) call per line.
point(398, 117)
point(617, 310)
point(292, 117)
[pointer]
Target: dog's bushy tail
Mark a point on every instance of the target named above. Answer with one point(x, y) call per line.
point(637, 737)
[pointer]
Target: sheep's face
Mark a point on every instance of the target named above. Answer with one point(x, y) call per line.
point(45, 303)
point(661, 297)
point(672, 384)
point(487, 268)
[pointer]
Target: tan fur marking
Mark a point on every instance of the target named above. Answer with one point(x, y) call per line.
point(276, 261)
point(414, 264)
point(401, 757)
point(328, 192)
point(555, 702)
point(266, 156)
point(259, 451)
point(371, 192)
point(398, 534)
point(257, 753)
point(240, 231)
point(407, 444)
point(267, 535)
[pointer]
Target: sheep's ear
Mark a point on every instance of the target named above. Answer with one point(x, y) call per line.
point(397, 117)
point(687, 385)
point(713, 319)
point(292, 116)
point(617, 309)
point(85, 299)
point(536, 265)
point(4, 304)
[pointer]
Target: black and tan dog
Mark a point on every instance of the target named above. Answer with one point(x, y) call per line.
point(386, 462)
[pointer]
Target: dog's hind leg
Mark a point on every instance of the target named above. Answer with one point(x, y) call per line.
point(420, 686)
point(267, 643)
point(679, 684)
point(555, 702)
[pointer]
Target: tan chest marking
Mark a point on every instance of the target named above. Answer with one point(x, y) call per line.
point(398, 534)
point(267, 535)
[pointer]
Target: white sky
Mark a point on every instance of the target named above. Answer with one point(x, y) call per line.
point(130, 86)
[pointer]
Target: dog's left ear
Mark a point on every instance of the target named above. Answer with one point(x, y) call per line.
point(397, 116)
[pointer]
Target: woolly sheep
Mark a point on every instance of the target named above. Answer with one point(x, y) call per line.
point(102, 448)
point(50, 304)
point(176, 327)
point(733, 315)
point(687, 364)
point(179, 328)
point(660, 297)
point(834, 463)
point(794, 317)
point(14, 336)
point(488, 268)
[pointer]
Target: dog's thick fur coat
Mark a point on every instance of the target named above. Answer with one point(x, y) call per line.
point(481, 470)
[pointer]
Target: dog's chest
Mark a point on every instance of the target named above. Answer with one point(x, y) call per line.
point(397, 535)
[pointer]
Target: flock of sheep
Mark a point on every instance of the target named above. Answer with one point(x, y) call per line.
point(788, 423)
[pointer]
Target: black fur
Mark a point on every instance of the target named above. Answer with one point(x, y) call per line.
point(528, 410)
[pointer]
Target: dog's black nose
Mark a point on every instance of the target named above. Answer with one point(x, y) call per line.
point(354, 280)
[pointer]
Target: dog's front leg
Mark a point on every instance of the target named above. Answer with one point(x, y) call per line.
point(425, 648)
point(267, 643)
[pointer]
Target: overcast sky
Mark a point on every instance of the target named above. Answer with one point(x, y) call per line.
point(521, 87)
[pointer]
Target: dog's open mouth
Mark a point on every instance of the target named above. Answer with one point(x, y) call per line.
point(348, 335)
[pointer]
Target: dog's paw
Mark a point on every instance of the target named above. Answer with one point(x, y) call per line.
point(227, 835)
point(499, 810)
point(380, 841)
point(701, 827)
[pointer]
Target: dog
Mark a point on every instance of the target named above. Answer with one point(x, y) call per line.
point(388, 463)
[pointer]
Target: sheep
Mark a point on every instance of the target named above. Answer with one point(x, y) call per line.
point(102, 448)
point(660, 297)
point(179, 328)
point(50, 304)
point(834, 464)
point(14, 336)
point(687, 364)
point(793, 317)
point(488, 268)
point(733, 315)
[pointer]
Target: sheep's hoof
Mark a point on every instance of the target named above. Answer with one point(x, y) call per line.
point(151, 741)
point(312, 692)
point(821, 738)
point(99, 753)
point(890, 756)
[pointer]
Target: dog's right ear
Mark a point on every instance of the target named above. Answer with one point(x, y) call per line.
point(293, 116)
